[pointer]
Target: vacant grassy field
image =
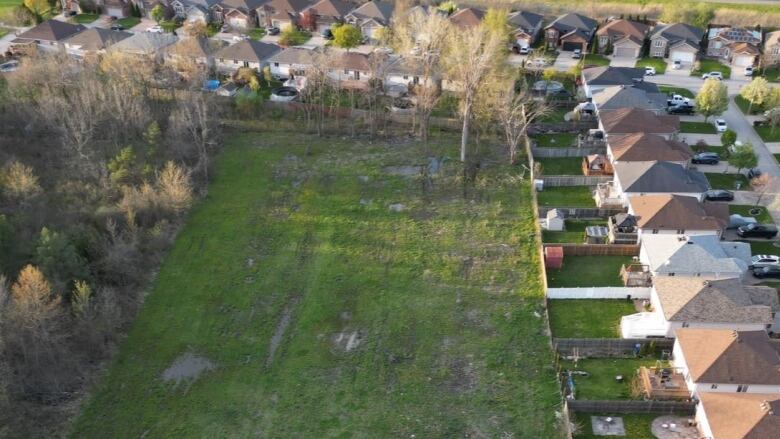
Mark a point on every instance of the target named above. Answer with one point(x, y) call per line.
point(588, 318)
point(326, 312)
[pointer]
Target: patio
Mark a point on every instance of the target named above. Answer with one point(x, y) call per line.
point(663, 383)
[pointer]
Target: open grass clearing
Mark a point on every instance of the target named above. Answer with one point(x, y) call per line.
point(711, 65)
point(587, 318)
point(698, 127)
point(671, 90)
point(569, 196)
point(744, 210)
point(729, 182)
point(556, 140)
point(588, 271)
point(561, 166)
point(658, 63)
point(333, 297)
point(600, 384)
point(637, 425)
point(574, 233)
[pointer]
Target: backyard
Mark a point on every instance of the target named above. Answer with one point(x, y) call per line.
point(561, 166)
point(567, 196)
point(587, 318)
point(697, 127)
point(563, 140)
point(321, 291)
point(600, 384)
point(574, 233)
point(637, 425)
point(588, 271)
point(711, 65)
point(719, 180)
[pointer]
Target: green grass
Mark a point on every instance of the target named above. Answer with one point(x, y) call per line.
point(574, 233)
point(170, 25)
point(562, 140)
point(744, 210)
point(256, 33)
point(601, 383)
point(588, 271)
point(709, 65)
point(637, 425)
point(128, 22)
point(572, 196)
point(447, 105)
point(442, 295)
point(771, 74)
point(84, 18)
point(658, 63)
point(556, 115)
point(768, 134)
point(561, 166)
point(719, 180)
point(591, 59)
point(697, 128)
point(668, 89)
point(760, 246)
point(587, 318)
point(744, 105)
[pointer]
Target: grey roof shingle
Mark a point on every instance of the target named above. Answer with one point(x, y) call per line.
point(695, 254)
point(51, 30)
point(677, 32)
point(144, 43)
point(620, 96)
point(525, 20)
point(248, 50)
point(379, 11)
point(570, 22)
point(96, 39)
point(659, 177)
point(294, 55)
point(607, 75)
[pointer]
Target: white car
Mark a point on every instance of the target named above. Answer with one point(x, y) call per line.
point(649, 71)
point(759, 261)
point(720, 125)
point(240, 37)
point(156, 29)
point(677, 64)
point(9, 66)
point(577, 54)
point(714, 75)
point(749, 71)
point(524, 50)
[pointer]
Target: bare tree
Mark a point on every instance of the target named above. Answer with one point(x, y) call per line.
point(515, 111)
point(196, 119)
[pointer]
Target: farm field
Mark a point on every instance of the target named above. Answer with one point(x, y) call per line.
point(323, 290)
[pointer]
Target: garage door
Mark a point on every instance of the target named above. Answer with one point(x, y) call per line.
point(625, 52)
point(115, 12)
point(571, 46)
point(743, 61)
point(682, 56)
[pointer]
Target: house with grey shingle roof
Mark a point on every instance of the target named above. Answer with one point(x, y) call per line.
point(622, 96)
point(526, 27)
point(93, 41)
point(570, 31)
point(597, 78)
point(246, 53)
point(48, 36)
point(145, 44)
point(371, 17)
point(290, 62)
point(633, 179)
point(676, 41)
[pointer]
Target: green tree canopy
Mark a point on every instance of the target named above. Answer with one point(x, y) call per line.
point(59, 260)
point(347, 36)
point(743, 157)
point(728, 138)
point(757, 92)
point(158, 13)
point(712, 98)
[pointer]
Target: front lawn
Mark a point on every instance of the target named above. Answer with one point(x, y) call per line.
point(668, 89)
point(128, 22)
point(562, 140)
point(327, 317)
point(698, 128)
point(587, 318)
point(719, 180)
point(588, 271)
point(710, 65)
point(744, 210)
point(658, 63)
point(771, 74)
point(170, 25)
point(760, 246)
point(600, 384)
point(567, 196)
point(84, 18)
point(637, 426)
point(574, 233)
point(595, 60)
point(256, 33)
point(744, 105)
point(768, 134)
point(561, 166)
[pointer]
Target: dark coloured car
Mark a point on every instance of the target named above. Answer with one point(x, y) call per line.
point(753, 173)
point(718, 195)
point(681, 109)
point(327, 34)
point(273, 30)
point(762, 272)
point(706, 158)
point(757, 231)
point(117, 27)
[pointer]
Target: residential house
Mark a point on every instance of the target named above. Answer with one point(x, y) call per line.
point(372, 18)
point(642, 147)
point(116, 8)
point(635, 120)
point(48, 36)
point(281, 13)
point(194, 51)
point(326, 13)
point(247, 53)
point(467, 17)
point(570, 31)
point(291, 62)
point(700, 256)
point(772, 48)
point(193, 10)
point(526, 27)
point(93, 41)
point(729, 361)
point(738, 415)
point(616, 97)
point(677, 215)
point(676, 41)
point(238, 14)
point(113, 8)
point(598, 78)
point(406, 71)
point(145, 44)
point(624, 38)
point(633, 179)
point(350, 69)
point(735, 45)
point(678, 302)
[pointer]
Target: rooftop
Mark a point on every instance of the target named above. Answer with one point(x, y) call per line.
point(677, 212)
point(682, 255)
point(638, 147)
point(742, 415)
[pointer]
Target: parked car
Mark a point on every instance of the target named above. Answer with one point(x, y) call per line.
point(706, 158)
point(328, 35)
point(749, 71)
point(677, 64)
point(753, 173)
point(9, 66)
point(720, 125)
point(678, 100)
point(759, 261)
point(117, 27)
point(771, 271)
point(525, 50)
point(681, 109)
point(577, 54)
point(272, 30)
point(718, 195)
point(736, 220)
point(714, 75)
point(240, 37)
point(156, 29)
point(649, 71)
point(757, 231)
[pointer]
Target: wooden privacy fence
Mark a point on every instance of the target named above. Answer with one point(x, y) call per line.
point(609, 347)
point(540, 153)
point(686, 408)
point(597, 249)
point(583, 212)
point(575, 180)
point(562, 127)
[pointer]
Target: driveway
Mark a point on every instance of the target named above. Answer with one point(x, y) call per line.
point(564, 62)
point(622, 61)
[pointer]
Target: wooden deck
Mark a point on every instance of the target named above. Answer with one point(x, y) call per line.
point(658, 385)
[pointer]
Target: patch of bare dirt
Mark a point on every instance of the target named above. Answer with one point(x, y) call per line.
point(281, 328)
point(347, 340)
point(187, 366)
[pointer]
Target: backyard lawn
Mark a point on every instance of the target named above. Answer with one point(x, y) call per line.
point(571, 196)
point(668, 89)
point(601, 384)
point(591, 59)
point(697, 128)
point(768, 134)
point(744, 210)
point(710, 65)
point(574, 233)
point(588, 271)
point(310, 313)
point(719, 180)
point(561, 166)
point(556, 115)
point(128, 22)
point(658, 63)
point(587, 318)
point(563, 140)
point(84, 18)
point(637, 425)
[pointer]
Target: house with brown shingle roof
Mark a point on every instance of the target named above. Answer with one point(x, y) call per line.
point(328, 12)
point(526, 27)
point(281, 13)
point(679, 302)
point(728, 360)
point(625, 37)
point(633, 120)
point(467, 17)
point(677, 215)
point(772, 48)
point(247, 53)
point(641, 147)
point(738, 415)
point(351, 69)
point(372, 17)
point(724, 41)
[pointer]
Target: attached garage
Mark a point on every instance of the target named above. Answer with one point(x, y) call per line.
point(743, 60)
point(626, 52)
point(571, 45)
point(682, 55)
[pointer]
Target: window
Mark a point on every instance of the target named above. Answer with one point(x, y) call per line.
point(655, 231)
point(658, 43)
point(276, 64)
point(681, 232)
point(671, 274)
point(346, 72)
point(742, 388)
point(714, 386)
point(686, 325)
point(406, 77)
